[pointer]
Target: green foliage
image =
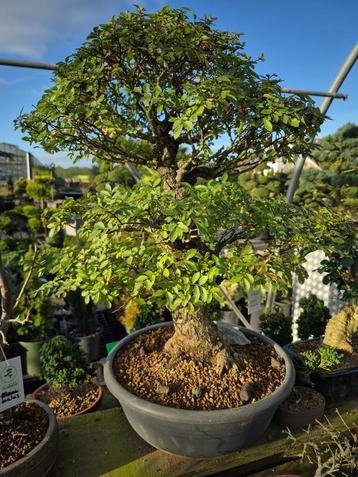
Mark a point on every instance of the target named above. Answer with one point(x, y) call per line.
point(341, 268)
point(167, 251)
point(37, 311)
point(277, 326)
point(20, 187)
point(168, 78)
point(39, 189)
point(63, 364)
point(313, 318)
point(140, 89)
point(323, 358)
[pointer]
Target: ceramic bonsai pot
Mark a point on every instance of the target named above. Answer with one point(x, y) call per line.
point(40, 460)
point(298, 418)
point(198, 434)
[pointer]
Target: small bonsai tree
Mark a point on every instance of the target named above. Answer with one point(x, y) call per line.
point(313, 318)
point(171, 80)
point(63, 363)
point(277, 326)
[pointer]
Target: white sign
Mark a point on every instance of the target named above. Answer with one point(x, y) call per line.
point(254, 301)
point(11, 383)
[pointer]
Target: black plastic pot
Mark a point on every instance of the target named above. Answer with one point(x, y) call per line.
point(198, 434)
point(40, 460)
point(336, 385)
point(295, 419)
point(91, 345)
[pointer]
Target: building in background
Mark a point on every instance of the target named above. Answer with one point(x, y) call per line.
point(15, 163)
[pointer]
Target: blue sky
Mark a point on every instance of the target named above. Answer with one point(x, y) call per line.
point(304, 42)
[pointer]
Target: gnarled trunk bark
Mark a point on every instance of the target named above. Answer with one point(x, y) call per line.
point(195, 335)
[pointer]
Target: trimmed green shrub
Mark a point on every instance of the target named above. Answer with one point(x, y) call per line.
point(63, 364)
point(313, 318)
point(277, 326)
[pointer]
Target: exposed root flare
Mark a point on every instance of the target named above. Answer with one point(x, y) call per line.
point(216, 354)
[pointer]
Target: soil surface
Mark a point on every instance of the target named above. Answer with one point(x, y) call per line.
point(349, 360)
point(65, 403)
point(302, 398)
point(24, 431)
point(145, 370)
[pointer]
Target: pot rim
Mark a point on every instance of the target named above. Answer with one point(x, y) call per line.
point(52, 428)
point(195, 416)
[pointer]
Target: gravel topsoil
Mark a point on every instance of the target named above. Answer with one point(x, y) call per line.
point(145, 370)
point(65, 403)
point(27, 428)
point(349, 360)
point(302, 398)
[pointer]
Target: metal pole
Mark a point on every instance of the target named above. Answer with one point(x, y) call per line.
point(314, 93)
point(51, 66)
point(28, 64)
point(341, 76)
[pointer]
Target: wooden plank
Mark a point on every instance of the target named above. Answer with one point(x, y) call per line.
point(104, 444)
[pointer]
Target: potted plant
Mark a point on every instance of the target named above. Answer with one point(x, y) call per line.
point(84, 326)
point(69, 389)
point(33, 328)
point(169, 80)
point(330, 363)
point(35, 452)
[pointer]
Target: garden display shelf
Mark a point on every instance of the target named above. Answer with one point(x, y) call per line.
point(113, 449)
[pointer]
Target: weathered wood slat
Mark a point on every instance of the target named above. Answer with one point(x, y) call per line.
point(103, 444)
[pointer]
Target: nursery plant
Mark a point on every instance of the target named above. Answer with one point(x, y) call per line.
point(34, 420)
point(313, 317)
point(69, 389)
point(171, 80)
point(63, 363)
point(276, 325)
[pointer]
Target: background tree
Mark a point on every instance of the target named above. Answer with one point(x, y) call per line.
point(40, 189)
point(170, 80)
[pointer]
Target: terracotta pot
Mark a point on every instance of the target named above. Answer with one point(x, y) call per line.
point(39, 461)
point(37, 395)
point(295, 419)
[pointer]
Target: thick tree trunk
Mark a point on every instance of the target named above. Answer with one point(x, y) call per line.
point(197, 336)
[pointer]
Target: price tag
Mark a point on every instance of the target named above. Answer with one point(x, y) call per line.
point(11, 383)
point(254, 301)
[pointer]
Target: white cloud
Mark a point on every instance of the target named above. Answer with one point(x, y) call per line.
point(27, 26)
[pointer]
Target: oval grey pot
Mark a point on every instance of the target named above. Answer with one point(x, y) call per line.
point(40, 460)
point(198, 434)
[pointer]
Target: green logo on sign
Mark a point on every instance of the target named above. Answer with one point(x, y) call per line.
point(8, 374)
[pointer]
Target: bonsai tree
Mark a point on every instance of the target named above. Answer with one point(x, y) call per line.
point(171, 80)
